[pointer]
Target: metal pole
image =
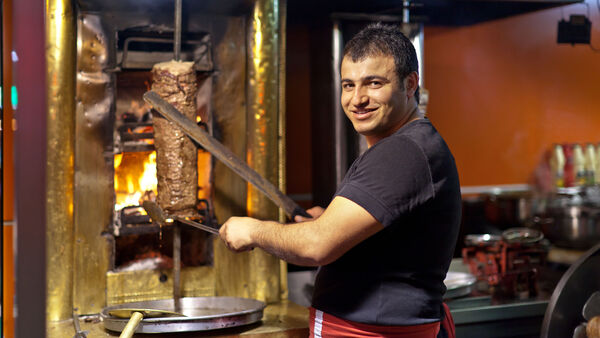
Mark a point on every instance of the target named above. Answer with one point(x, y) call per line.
point(406, 11)
point(341, 145)
point(176, 227)
point(262, 97)
point(177, 46)
point(60, 61)
point(177, 265)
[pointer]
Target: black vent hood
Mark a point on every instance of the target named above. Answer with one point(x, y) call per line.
point(429, 12)
point(219, 7)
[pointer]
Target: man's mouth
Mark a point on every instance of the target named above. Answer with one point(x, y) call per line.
point(363, 113)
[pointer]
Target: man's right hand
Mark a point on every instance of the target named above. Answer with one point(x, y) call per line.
point(315, 212)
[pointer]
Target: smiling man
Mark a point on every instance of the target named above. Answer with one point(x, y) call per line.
point(385, 242)
point(375, 99)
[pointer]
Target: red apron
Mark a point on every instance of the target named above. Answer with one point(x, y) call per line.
point(326, 325)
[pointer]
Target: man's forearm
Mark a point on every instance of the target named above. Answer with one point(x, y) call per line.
point(293, 243)
point(316, 242)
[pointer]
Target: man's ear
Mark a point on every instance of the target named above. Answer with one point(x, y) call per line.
point(411, 83)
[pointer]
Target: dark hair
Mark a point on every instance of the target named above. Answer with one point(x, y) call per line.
point(378, 39)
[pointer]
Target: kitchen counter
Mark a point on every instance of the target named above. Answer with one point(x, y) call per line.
point(284, 319)
point(483, 315)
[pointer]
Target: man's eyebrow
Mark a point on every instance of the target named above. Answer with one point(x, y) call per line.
point(368, 78)
point(375, 77)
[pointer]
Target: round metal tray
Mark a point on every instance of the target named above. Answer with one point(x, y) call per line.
point(458, 284)
point(202, 313)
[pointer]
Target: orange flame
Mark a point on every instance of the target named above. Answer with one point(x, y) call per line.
point(135, 178)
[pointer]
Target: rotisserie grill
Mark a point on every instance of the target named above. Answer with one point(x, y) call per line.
point(230, 87)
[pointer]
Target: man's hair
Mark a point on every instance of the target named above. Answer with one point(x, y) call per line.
point(385, 40)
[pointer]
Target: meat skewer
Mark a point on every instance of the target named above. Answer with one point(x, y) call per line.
point(176, 154)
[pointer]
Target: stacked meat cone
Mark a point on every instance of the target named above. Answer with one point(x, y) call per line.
point(176, 154)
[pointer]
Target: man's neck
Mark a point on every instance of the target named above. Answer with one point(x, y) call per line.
point(413, 115)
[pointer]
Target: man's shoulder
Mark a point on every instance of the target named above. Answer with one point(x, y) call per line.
point(415, 135)
point(423, 134)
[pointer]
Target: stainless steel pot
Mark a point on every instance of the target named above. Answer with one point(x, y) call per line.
point(508, 209)
point(571, 226)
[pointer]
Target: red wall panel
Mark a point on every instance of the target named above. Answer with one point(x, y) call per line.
point(502, 92)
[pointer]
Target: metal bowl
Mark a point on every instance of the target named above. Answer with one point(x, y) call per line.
point(575, 226)
point(458, 284)
point(482, 240)
point(522, 235)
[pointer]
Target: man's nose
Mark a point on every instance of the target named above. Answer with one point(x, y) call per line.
point(359, 97)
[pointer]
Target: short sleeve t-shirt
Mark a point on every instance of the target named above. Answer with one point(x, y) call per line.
point(409, 183)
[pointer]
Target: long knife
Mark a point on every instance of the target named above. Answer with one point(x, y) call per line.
point(158, 216)
point(225, 155)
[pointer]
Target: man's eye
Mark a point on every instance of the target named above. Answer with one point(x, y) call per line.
point(347, 86)
point(375, 84)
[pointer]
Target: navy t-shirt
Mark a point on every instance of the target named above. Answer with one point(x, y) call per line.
point(409, 183)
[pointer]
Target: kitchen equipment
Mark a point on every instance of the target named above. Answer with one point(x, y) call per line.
point(225, 155)
point(572, 291)
point(157, 215)
point(570, 224)
point(580, 331)
point(135, 315)
point(591, 308)
point(508, 263)
point(458, 284)
point(591, 313)
point(482, 239)
point(201, 313)
point(522, 236)
point(570, 218)
point(78, 332)
point(508, 209)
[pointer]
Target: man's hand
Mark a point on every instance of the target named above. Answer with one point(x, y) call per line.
point(237, 233)
point(315, 212)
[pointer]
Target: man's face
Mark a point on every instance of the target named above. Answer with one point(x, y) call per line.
point(373, 97)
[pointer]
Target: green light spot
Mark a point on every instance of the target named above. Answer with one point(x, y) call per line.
point(14, 97)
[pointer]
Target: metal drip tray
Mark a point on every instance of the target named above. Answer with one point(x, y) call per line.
point(202, 313)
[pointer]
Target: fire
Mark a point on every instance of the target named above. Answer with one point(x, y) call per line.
point(135, 178)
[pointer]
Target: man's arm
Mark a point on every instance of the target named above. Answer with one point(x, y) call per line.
point(316, 242)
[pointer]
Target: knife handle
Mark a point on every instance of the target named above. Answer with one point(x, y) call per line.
point(132, 324)
point(298, 211)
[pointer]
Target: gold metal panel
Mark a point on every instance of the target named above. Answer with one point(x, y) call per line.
point(252, 274)
point(229, 110)
point(281, 131)
point(93, 178)
point(141, 285)
point(263, 135)
point(60, 58)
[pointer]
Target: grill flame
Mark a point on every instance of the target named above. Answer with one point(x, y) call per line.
point(135, 178)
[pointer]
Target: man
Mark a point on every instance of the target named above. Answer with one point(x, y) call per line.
point(385, 242)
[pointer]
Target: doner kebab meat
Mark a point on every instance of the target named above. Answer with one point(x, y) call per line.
point(176, 154)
